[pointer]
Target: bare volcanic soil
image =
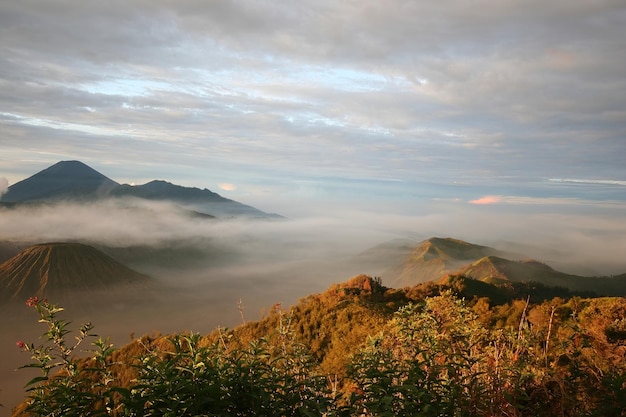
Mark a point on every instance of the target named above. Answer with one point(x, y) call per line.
point(54, 268)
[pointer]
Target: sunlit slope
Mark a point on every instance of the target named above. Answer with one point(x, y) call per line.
point(437, 258)
point(433, 258)
point(54, 268)
point(494, 269)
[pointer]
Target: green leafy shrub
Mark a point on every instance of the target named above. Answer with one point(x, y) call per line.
point(183, 376)
point(192, 379)
point(434, 357)
point(67, 386)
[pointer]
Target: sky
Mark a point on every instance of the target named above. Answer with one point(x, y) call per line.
point(297, 106)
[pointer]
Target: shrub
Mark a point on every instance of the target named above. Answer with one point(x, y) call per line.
point(433, 358)
point(67, 386)
point(184, 376)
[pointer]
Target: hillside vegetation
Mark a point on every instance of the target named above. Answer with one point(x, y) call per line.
point(357, 349)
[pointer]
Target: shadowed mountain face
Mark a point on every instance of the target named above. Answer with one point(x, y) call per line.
point(75, 181)
point(192, 198)
point(434, 258)
point(158, 190)
point(56, 268)
point(65, 179)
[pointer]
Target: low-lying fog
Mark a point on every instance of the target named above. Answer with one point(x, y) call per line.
point(211, 272)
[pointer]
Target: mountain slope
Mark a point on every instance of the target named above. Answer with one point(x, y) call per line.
point(434, 258)
point(55, 268)
point(163, 190)
point(493, 269)
point(202, 200)
point(65, 179)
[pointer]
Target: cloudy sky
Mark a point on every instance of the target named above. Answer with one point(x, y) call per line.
point(285, 104)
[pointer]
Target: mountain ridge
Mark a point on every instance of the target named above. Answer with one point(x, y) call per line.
point(436, 259)
point(433, 258)
point(76, 181)
point(494, 269)
point(155, 189)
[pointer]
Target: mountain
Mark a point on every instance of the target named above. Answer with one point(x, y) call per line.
point(163, 190)
point(496, 270)
point(75, 181)
point(65, 179)
point(200, 200)
point(433, 258)
point(437, 259)
point(56, 268)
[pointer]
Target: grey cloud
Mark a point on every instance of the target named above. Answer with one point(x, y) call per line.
point(399, 90)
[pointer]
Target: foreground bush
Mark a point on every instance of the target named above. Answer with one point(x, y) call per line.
point(437, 359)
point(433, 358)
point(179, 376)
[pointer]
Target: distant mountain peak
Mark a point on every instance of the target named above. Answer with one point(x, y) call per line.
point(70, 165)
point(447, 249)
point(63, 180)
point(158, 183)
point(72, 169)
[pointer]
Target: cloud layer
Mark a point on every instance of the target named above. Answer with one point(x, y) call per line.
point(580, 238)
point(294, 98)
